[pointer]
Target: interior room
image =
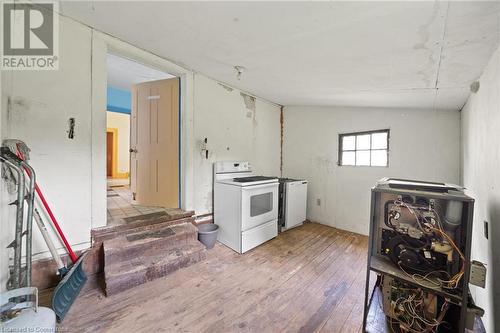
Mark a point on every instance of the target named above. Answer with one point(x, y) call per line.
point(250, 166)
point(123, 75)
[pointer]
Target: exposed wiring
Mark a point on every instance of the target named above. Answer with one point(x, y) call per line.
point(412, 312)
point(453, 282)
point(412, 309)
point(434, 227)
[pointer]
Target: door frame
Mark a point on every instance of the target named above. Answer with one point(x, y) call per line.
point(114, 156)
point(102, 44)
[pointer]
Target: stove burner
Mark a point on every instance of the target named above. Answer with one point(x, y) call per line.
point(253, 179)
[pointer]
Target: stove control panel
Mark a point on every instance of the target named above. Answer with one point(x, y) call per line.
point(229, 167)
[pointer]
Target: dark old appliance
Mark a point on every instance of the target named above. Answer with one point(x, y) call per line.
point(419, 246)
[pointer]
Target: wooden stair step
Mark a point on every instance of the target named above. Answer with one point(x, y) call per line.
point(149, 241)
point(171, 216)
point(106, 233)
point(127, 274)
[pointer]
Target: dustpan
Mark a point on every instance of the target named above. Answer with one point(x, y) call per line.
point(68, 288)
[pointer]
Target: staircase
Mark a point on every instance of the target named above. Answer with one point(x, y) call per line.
point(147, 249)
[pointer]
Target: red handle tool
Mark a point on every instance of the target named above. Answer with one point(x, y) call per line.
point(51, 215)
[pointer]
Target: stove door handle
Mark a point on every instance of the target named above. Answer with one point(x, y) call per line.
point(255, 187)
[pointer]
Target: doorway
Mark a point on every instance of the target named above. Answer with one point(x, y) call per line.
point(142, 140)
point(112, 153)
point(109, 154)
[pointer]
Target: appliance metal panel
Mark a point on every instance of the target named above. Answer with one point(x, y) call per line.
point(248, 221)
point(258, 235)
point(227, 214)
point(251, 179)
point(232, 167)
point(295, 203)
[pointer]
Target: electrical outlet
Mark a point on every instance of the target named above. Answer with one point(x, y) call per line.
point(318, 202)
point(486, 231)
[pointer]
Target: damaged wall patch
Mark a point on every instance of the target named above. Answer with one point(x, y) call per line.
point(249, 101)
point(226, 87)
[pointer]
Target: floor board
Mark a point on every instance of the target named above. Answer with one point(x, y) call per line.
point(308, 279)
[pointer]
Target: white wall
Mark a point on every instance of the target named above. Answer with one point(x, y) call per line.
point(121, 122)
point(481, 175)
point(234, 132)
point(5, 232)
point(41, 103)
point(424, 145)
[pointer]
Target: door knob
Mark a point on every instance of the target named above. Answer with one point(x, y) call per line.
point(132, 150)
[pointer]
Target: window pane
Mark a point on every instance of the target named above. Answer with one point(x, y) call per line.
point(379, 140)
point(261, 204)
point(348, 142)
point(363, 157)
point(348, 158)
point(363, 141)
point(379, 157)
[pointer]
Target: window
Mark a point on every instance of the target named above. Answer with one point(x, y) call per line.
point(261, 204)
point(364, 148)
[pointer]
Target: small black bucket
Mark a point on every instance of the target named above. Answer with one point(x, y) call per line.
point(207, 234)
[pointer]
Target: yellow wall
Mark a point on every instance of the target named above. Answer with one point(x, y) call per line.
point(121, 122)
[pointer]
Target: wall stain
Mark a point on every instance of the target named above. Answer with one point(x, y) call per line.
point(18, 104)
point(226, 87)
point(9, 107)
point(21, 104)
point(208, 201)
point(324, 163)
point(254, 119)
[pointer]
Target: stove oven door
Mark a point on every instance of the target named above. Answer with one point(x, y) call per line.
point(259, 205)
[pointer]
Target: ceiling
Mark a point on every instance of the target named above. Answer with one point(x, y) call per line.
point(123, 73)
point(421, 54)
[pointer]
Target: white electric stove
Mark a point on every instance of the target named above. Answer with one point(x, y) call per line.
point(245, 206)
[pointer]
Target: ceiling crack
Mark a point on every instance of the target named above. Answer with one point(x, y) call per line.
point(442, 45)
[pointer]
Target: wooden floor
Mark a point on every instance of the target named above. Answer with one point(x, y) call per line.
point(307, 279)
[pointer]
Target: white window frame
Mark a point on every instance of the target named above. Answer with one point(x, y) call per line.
point(356, 134)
